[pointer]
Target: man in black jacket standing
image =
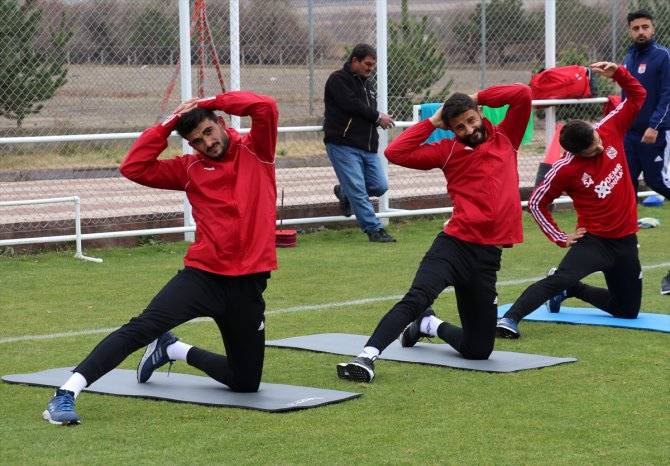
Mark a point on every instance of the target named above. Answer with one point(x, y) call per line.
point(350, 126)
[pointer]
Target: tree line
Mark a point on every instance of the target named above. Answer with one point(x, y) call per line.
point(40, 38)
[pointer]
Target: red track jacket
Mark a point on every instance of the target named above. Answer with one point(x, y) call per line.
point(233, 199)
point(483, 182)
point(600, 186)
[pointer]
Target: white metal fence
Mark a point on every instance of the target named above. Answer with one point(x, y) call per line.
point(120, 59)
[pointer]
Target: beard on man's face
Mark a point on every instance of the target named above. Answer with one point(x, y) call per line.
point(214, 151)
point(642, 41)
point(477, 137)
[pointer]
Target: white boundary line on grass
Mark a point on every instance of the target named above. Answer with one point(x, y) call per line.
point(315, 307)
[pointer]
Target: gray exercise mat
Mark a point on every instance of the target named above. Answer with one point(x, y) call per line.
point(188, 388)
point(422, 353)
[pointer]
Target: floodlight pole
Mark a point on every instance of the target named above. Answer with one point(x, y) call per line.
point(549, 62)
point(483, 39)
point(382, 95)
point(234, 8)
point(310, 53)
point(186, 93)
point(614, 32)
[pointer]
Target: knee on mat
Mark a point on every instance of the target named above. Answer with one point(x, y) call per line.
point(477, 354)
point(629, 314)
point(245, 386)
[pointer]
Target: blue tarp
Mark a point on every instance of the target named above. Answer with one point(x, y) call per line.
point(589, 316)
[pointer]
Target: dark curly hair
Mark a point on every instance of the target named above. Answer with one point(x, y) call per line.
point(576, 135)
point(639, 14)
point(190, 120)
point(456, 104)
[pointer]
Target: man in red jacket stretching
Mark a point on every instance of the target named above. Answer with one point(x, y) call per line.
point(594, 173)
point(230, 183)
point(480, 166)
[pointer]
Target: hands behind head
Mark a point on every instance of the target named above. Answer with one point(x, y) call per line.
point(604, 68)
point(186, 106)
point(437, 121)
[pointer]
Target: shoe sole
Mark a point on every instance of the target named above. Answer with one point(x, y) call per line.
point(147, 354)
point(47, 417)
point(665, 292)
point(355, 372)
point(506, 332)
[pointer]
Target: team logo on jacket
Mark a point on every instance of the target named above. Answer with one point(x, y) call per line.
point(611, 152)
point(605, 187)
point(587, 180)
point(642, 68)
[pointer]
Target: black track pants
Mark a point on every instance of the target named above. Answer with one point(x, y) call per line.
point(471, 270)
point(235, 303)
point(616, 258)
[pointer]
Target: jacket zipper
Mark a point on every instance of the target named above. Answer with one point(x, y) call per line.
point(367, 100)
point(346, 128)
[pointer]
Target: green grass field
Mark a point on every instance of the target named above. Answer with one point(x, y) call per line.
point(611, 407)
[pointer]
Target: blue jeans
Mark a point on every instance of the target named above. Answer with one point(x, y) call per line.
point(360, 175)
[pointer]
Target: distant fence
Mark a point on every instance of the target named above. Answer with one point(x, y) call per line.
point(122, 57)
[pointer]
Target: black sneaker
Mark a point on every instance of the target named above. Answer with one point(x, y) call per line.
point(380, 236)
point(345, 206)
point(155, 356)
point(507, 328)
point(554, 304)
point(360, 369)
point(412, 333)
point(665, 284)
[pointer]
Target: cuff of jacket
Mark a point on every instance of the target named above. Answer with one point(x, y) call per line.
point(212, 103)
point(165, 129)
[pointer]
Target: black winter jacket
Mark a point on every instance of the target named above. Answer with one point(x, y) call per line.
point(350, 117)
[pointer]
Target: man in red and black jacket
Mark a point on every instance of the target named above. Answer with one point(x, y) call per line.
point(594, 173)
point(230, 183)
point(480, 166)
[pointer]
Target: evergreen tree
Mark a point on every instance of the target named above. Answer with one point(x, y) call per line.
point(507, 24)
point(28, 77)
point(415, 64)
point(154, 36)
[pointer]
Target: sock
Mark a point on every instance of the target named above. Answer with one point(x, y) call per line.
point(429, 325)
point(369, 352)
point(75, 384)
point(178, 350)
